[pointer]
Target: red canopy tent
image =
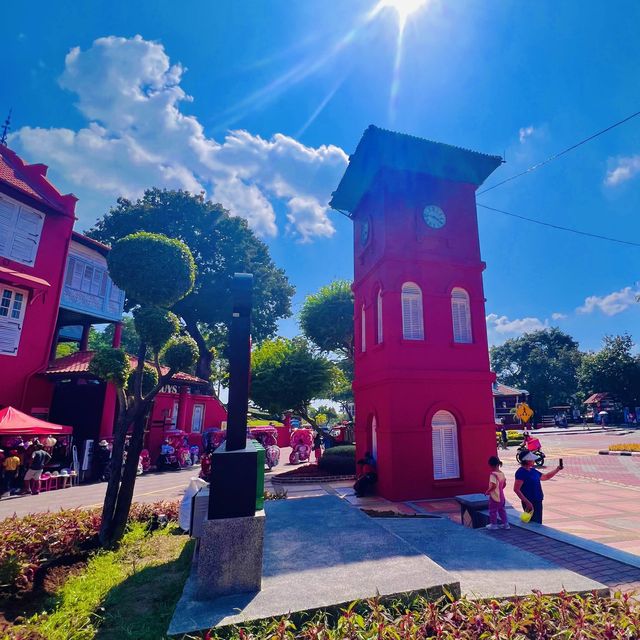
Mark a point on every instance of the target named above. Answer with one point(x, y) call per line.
point(14, 423)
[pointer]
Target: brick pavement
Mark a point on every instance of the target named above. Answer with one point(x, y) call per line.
point(613, 574)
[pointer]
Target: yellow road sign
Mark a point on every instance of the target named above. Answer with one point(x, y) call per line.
point(524, 412)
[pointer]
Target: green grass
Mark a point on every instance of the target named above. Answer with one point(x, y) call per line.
point(127, 593)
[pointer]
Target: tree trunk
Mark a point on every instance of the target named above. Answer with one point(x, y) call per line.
point(127, 484)
point(113, 484)
point(205, 357)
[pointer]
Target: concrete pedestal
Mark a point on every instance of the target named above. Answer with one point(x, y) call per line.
point(230, 557)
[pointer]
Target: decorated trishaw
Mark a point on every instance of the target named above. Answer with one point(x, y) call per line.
point(267, 436)
point(301, 445)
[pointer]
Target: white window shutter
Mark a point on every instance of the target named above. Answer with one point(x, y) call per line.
point(8, 214)
point(412, 320)
point(26, 237)
point(461, 316)
point(9, 338)
point(363, 329)
point(12, 309)
point(444, 440)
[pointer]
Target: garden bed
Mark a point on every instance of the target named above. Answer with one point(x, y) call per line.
point(309, 473)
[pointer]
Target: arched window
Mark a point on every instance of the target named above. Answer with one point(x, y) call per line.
point(363, 330)
point(461, 315)
point(379, 317)
point(444, 442)
point(412, 321)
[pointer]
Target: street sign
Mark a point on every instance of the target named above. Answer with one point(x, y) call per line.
point(524, 412)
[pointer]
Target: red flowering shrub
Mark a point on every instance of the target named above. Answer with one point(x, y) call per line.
point(31, 542)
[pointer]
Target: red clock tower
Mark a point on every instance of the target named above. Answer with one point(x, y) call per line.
point(422, 386)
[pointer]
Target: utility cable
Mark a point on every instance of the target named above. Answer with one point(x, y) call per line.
point(557, 226)
point(555, 156)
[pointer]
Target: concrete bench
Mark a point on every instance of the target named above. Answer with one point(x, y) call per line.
point(471, 506)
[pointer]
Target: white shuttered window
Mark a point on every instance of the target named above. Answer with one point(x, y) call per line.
point(20, 230)
point(379, 318)
point(461, 315)
point(444, 442)
point(412, 320)
point(12, 307)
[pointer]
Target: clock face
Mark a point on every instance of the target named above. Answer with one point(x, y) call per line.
point(434, 216)
point(365, 230)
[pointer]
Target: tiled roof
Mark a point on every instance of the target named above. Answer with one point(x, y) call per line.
point(597, 397)
point(90, 242)
point(380, 149)
point(30, 179)
point(78, 362)
point(500, 389)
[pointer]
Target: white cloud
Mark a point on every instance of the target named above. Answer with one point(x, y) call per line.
point(624, 168)
point(611, 304)
point(559, 316)
point(526, 132)
point(504, 326)
point(137, 137)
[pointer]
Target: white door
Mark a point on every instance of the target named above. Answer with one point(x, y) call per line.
point(197, 418)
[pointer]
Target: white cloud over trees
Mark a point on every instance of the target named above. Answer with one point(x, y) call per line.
point(136, 137)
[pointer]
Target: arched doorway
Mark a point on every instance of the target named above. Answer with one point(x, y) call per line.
point(444, 442)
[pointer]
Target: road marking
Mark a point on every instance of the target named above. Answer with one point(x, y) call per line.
point(139, 495)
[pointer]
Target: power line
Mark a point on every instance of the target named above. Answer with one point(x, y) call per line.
point(555, 156)
point(557, 226)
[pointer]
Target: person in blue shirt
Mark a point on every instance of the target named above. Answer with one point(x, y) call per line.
point(528, 486)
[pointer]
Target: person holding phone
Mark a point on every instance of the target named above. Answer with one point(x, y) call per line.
point(528, 485)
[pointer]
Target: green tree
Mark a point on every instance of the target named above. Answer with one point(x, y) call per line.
point(544, 362)
point(288, 374)
point(329, 412)
point(221, 245)
point(613, 369)
point(326, 318)
point(341, 390)
point(133, 261)
point(129, 341)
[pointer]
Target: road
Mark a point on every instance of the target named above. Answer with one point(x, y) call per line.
point(149, 488)
point(586, 474)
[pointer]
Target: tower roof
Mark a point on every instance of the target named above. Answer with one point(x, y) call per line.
point(30, 180)
point(382, 149)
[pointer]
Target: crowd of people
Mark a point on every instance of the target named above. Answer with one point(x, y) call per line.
point(23, 463)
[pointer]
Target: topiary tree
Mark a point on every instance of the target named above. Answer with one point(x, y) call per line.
point(155, 272)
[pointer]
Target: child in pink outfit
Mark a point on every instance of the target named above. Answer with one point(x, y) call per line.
point(497, 483)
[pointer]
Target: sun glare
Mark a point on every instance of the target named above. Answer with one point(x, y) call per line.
point(403, 8)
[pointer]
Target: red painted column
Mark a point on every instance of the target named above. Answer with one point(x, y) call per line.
point(117, 335)
point(110, 395)
point(182, 410)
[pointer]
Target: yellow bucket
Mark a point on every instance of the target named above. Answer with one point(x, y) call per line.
point(525, 516)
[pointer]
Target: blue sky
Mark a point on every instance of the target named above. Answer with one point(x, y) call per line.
point(259, 104)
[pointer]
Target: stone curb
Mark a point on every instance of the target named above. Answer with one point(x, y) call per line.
point(597, 548)
point(619, 453)
point(310, 480)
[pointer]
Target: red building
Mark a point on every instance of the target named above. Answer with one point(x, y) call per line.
point(36, 222)
point(54, 286)
point(423, 384)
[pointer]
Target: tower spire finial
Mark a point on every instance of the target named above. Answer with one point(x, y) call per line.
point(5, 128)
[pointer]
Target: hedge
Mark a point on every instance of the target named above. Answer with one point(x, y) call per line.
point(339, 460)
